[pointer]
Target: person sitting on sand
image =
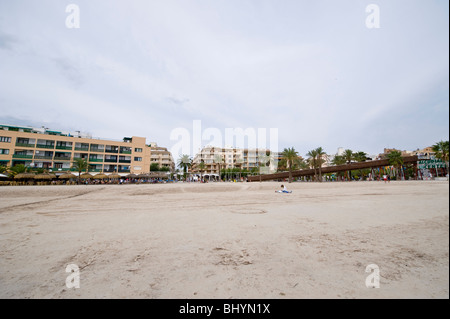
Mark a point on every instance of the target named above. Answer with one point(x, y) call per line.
point(283, 190)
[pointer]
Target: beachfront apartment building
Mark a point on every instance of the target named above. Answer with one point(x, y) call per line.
point(426, 152)
point(161, 156)
point(56, 151)
point(231, 157)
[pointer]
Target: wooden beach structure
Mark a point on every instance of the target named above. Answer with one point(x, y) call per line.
point(407, 160)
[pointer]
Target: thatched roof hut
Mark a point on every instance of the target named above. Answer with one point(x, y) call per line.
point(67, 176)
point(100, 176)
point(24, 176)
point(45, 176)
point(86, 176)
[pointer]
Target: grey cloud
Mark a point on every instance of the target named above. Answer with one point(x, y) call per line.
point(7, 42)
point(177, 101)
point(69, 70)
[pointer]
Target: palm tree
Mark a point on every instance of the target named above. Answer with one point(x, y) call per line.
point(260, 162)
point(282, 165)
point(312, 159)
point(2, 169)
point(184, 162)
point(236, 171)
point(337, 161)
point(360, 157)
point(201, 167)
point(320, 159)
point(441, 149)
point(81, 165)
point(349, 156)
point(291, 157)
point(218, 159)
point(395, 159)
point(16, 169)
point(176, 173)
point(302, 164)
point(264, 160)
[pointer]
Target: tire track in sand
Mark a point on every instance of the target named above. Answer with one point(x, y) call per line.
point(3, 209)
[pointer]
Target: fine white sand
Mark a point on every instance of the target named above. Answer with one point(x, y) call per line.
point(226, 240)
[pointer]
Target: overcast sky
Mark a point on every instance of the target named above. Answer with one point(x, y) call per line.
point(312, 69)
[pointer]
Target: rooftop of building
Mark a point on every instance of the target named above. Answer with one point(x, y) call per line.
point(46, 131)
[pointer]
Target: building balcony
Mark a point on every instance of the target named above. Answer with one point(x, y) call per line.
point(22, 156)
point(43, 157)
point(110, 170)
point(124, 170)
point(96, 160)
point(25, 145)
point(125, 161)
point(63, 147)
point(109, 160)
point(98, 150)
point(111, 151)
point(125, 152)
point(45, 146)
point(61, 169)
point(85, 149)
point(62, 158)
point(95, 170)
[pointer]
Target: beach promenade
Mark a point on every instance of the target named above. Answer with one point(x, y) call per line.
point(226, 240)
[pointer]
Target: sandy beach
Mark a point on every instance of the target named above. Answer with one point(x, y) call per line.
point(226, 240)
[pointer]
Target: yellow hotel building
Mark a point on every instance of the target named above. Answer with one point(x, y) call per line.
point(56, 151)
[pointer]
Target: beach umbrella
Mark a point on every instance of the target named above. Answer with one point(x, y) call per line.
point(100, 176)
point(24, 176)
point(143, 175)
point(114, 176)
point(86, 176)
point(131, 176)
point(46, 176)
point(158, 175)
point(67, 176)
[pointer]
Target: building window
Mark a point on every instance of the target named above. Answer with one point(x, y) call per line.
point(5, 139)
point(139, 150)
point(4, 151)
point(138, 159)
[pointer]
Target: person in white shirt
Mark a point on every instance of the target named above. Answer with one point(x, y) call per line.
point(283, 190)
